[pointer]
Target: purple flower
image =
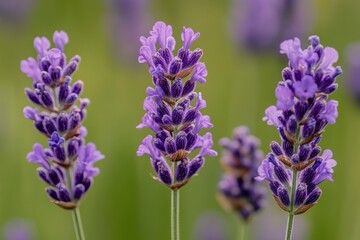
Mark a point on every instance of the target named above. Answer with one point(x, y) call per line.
point(18, 230)
point(308, 82)
point(238, 189)
point(127, 19)
point(173, 107)
point(61, 123)
point(305, 88)
point(285, 98)
point(353, 71)
point(283, 19)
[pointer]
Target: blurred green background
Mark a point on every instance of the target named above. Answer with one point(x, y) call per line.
point(125, 203)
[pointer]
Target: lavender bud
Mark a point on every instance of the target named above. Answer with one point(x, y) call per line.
point(166, 54)
point(295, 159)
point(287, 74)
point(71, 99)
point(283, 195)
point(42, 173)
point(175, 66)
point(79, 191)
point(176, 88)
point(315, 152)
point(331, 89)
point(159, 144)
point(163, 110)
point(288, 148)
point(49, 125)
point(53, 176)
point(181, 171)
point(274, 186)
point(194, 57)
point(308, 129)
point(62, 122)
point(166, 119)
point(317, 109)
point(74, 121)
point(291, 125)
point(164, 174)
point(164, 84)
point(64, 90)
point(313, 196)
point(180, 140)
point(59, 153)
point(326, 82)
point(276, 149)
point(304, 152)
point(281, 174)
point(32, 96)
point(55, 73)
point(45, 77)
point(300, 110)
point(190, 140)
point(158, 60)
point(298, 75)
point(77, 87)
point(183, 54)
point(52, 194)
point(70, 69)
point(308, 175)
point(45, 64)
point(177, 115)
point(189, 86)
point(195, 166)
point(64, 194)
point(190, 115)
point(87, 182)
point(170, 145)
point(300, 194)
point(72, 149)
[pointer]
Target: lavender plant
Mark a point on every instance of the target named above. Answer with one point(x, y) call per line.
point(295, 168)
point(66, 166)
point(238, 190)
point(169, 112)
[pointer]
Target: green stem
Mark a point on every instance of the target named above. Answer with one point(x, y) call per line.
point(79, 232)
point(241, 231)
point(175, 204)
point(290, 221)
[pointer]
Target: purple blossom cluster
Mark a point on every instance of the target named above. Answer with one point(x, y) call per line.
point(170, 113)
point(275, 20)
point(240, 158)
point(67, 164)
point(295, 167)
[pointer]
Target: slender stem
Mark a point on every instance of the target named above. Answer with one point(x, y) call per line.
point(241, 231)
point(175, 215)
point(175, 204)
point(77, 224)
point(290, 221)
point(79, 232)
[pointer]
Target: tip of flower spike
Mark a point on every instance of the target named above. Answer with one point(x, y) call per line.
point(314, 40)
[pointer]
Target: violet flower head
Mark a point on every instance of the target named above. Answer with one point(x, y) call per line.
point(259, 25)
point(353, 71)
point(238, 190)
point(67, 164)
point(301, 114)
point(173, 107)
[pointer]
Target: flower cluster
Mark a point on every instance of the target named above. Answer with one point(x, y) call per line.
point(353, 71)
point(283, 19)
point(294, 168)
point(169, 112)
point(238, 189)
point(60, 122)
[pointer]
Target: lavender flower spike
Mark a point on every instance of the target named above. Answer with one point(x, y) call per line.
point(66, 166)
point(295, 168)
point(238, 190)
point(169, 112)
point(173, 112)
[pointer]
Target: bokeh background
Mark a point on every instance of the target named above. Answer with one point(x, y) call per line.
point(125, 203)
